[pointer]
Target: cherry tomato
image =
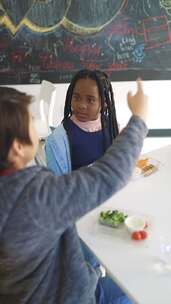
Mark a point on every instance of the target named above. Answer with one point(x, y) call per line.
point(144, 234)
point(146, 225)
point(136, 235)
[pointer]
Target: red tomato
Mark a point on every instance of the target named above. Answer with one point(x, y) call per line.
point(136, 235)
point(146, 225)
point(144, 234)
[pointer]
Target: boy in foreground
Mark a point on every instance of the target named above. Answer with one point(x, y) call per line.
point(40, 253)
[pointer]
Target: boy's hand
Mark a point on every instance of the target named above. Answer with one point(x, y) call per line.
point(138, 103)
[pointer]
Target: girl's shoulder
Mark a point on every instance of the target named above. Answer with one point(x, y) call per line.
point(59, 133)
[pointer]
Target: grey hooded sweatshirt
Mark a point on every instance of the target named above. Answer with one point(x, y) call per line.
point(41, 261)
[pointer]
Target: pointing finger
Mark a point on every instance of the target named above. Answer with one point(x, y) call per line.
point(129, 95)
point(139, 84)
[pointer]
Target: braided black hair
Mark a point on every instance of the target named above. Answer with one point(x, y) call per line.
point(108, 112)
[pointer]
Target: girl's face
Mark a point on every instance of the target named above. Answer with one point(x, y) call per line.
point(86, 101)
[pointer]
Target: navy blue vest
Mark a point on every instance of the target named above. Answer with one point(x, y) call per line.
point(86, 147)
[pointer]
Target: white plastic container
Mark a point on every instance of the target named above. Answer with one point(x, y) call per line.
point(135, 223)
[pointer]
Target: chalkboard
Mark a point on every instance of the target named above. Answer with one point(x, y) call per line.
point(52, 39)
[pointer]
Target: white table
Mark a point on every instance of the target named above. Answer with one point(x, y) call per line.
point(135, 265)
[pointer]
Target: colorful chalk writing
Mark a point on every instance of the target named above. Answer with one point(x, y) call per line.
point(52, 39)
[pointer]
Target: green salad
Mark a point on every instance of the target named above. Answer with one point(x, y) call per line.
point(112, 218)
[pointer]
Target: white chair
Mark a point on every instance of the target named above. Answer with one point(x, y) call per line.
point(45, 108)
point(44, 117)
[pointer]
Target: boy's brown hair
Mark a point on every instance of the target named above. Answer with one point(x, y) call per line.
point(14, 121)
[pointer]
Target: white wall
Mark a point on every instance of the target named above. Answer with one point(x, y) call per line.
point(159, 93)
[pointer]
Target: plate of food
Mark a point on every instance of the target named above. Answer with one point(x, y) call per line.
point(112, 218)
point(145, 167)
point(130, 225)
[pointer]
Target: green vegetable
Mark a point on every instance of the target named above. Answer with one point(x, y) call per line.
point(112, 218)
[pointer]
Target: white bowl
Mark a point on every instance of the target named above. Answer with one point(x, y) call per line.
point(135, 223)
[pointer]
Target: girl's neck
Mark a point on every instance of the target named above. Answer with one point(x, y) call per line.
point(89, 126)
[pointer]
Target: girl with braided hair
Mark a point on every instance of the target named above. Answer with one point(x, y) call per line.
point(88, 128)
point(89, 125)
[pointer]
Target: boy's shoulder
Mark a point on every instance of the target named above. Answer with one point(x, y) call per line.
point(23, 186)
point(25, 173)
